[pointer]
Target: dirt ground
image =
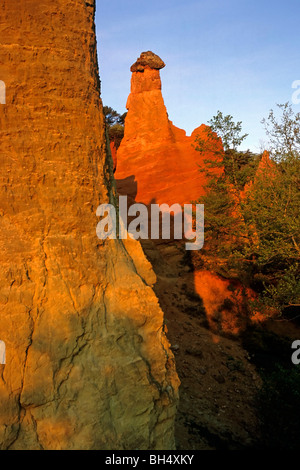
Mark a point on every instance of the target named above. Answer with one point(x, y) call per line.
point(219, 382)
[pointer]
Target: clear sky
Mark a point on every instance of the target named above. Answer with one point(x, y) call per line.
point(237, 56)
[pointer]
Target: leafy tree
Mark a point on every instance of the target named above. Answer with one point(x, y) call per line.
point(253, 232)
point(272, 208)
point(112, 117)
point(225, 230)
point(227, 130)
point(115, 123)
point(284, 134)
point(274, 203)
point(238, 166)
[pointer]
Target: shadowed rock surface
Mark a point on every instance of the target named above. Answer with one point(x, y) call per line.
point(88, 365)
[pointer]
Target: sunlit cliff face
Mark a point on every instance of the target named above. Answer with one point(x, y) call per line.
point(88, 365)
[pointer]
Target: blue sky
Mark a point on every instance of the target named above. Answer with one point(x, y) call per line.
point(237, 56)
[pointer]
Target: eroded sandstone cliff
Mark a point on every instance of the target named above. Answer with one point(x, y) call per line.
point(88, 365)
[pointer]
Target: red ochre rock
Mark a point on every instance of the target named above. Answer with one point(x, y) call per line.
point(266, 167)
point(156, 161)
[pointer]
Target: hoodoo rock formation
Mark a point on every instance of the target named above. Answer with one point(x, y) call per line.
point(156, 160)
point(88, 365)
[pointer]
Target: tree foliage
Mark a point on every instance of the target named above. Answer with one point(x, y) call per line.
point(252, 212)
point(284, 134)
point(225, 230)
point(239, 166)
point(115, 123)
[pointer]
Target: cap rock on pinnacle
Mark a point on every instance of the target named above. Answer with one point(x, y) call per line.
point(147, 59)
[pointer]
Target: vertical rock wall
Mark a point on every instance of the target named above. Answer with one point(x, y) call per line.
point(88, 365)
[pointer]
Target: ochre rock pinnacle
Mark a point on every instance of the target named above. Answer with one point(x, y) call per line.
point(156, 160)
